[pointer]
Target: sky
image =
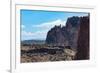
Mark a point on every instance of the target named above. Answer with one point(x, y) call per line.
point(36, 23)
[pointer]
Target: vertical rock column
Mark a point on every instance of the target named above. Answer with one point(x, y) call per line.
point(83, 40)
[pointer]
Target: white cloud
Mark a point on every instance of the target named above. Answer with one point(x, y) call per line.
point(49, 25)
point(24, 33)
point(42, 29)
point(34, 35)
point(22, 26)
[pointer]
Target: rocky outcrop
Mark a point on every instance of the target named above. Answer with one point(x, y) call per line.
point(83, 39)
point(66, 35)
point(74, 34)
point(72, 27)
point(56, 36)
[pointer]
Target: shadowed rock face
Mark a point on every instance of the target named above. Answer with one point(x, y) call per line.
point(66, 35)
point(72, 27)
point(83, 39)
point(56, 36)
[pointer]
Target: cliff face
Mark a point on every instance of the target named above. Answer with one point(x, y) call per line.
point(75, 34)
point(72, 27)
point(55, 36)
point(66, 35)
point(83, 39)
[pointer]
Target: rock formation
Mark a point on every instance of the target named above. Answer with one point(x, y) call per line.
point(74, 34)
point(83, 39)
point(66, 35)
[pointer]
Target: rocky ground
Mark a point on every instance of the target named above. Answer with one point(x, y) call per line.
point(27, 56)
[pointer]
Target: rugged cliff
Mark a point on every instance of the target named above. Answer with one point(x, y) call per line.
point(66, 35)
point(75, 34)
point(83, 39)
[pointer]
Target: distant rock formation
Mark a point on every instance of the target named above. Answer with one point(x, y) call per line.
point(83, 39)
point(66, 35)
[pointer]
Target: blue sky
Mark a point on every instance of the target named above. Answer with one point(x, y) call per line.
point(36, 23)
